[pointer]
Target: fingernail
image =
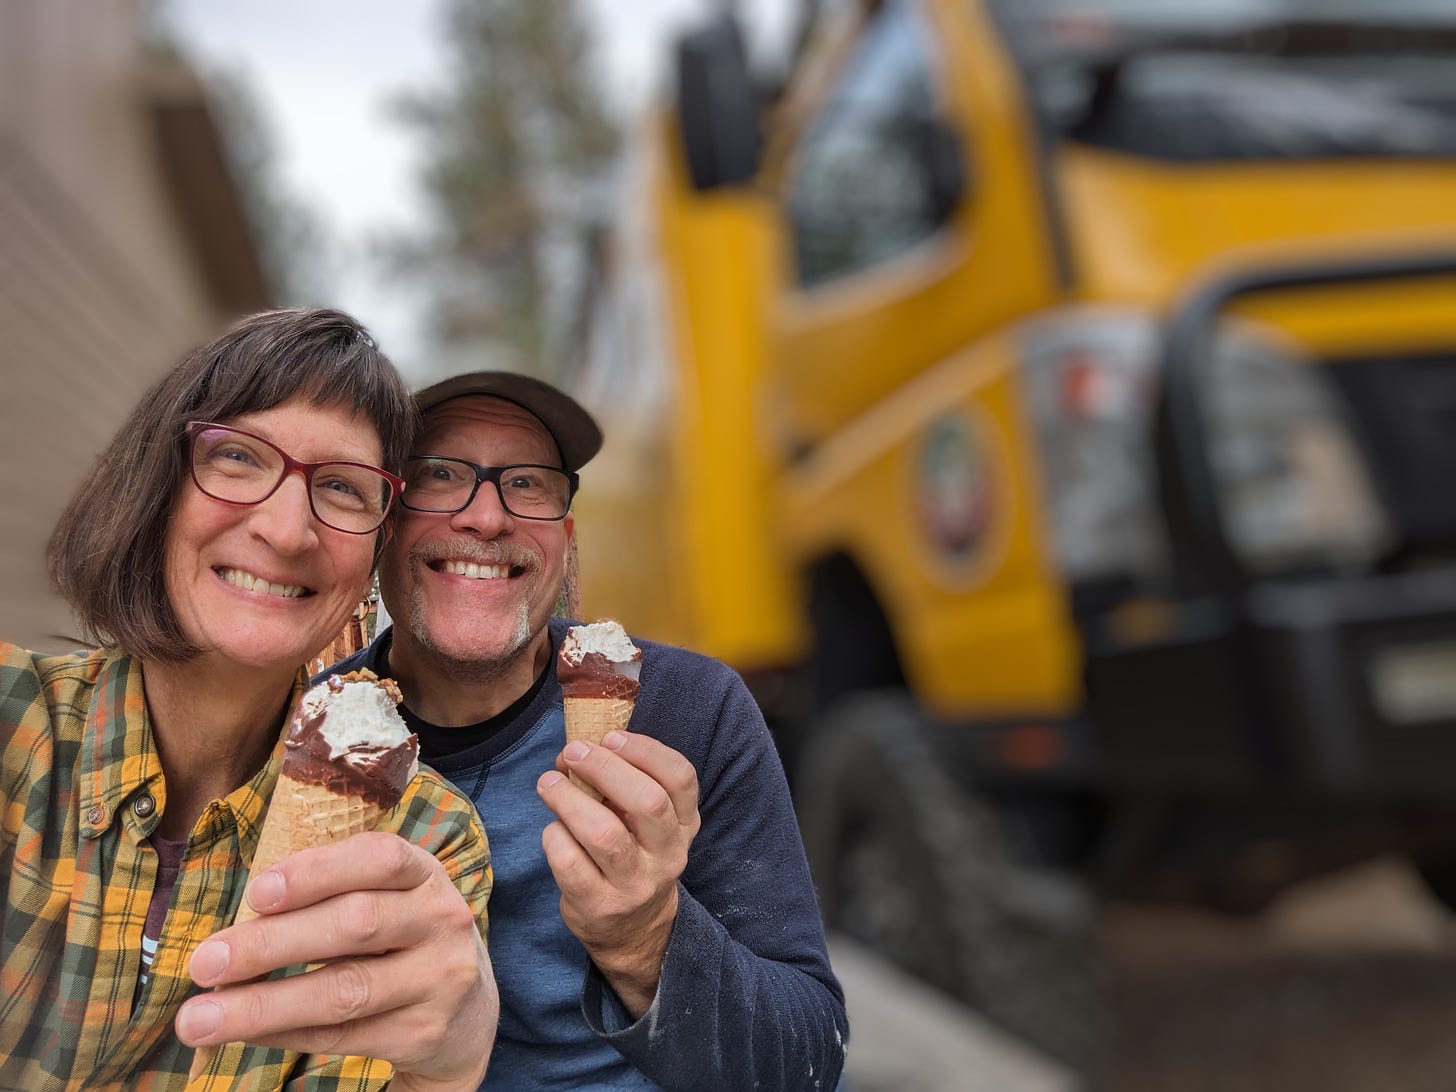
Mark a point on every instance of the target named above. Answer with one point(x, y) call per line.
point(209, 961)
point(575, 751)
point(266, 891)
point(198, 1019)
point(547, 779)
point(614, 741)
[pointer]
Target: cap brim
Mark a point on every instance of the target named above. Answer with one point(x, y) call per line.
point(577, 435)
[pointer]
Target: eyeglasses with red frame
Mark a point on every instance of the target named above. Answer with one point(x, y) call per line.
point(237, 467)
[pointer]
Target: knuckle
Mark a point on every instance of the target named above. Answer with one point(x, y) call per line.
point(451, 910)
point(359, 919)
point(400, 855)
point(348, 990)
point(428, 1040)
point(602, 834)
point(453, 921)
point(257, 946)
point(620, 852)
point(655, 802)
point(677, 863)
point(459, 975)
point(552, 836)
point(575, 873)
point(330, 1038)
point(249, 1013)
point(683, 774)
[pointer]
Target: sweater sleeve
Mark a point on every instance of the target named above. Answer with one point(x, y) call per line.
point(746, 998)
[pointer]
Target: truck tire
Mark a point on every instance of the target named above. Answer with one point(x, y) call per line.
point(910, 865)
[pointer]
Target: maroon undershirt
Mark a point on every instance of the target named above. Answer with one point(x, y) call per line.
point(169, 862)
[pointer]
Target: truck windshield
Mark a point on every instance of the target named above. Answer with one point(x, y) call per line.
point(1242, 79)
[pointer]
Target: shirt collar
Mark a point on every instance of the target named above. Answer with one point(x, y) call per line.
point(121, 763)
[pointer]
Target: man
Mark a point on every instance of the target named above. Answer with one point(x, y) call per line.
point(669, 933)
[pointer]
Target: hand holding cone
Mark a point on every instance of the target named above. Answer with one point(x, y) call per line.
point(348, 758)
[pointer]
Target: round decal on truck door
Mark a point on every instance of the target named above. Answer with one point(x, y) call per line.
point(955, 488)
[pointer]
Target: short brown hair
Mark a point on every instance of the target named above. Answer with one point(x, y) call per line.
point(106, 552)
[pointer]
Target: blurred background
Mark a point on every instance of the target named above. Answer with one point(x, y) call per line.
point(1048, 406)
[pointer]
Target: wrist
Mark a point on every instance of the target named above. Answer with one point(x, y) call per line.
point(634, 969)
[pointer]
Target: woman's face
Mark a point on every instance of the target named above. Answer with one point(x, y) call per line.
point(267, 585)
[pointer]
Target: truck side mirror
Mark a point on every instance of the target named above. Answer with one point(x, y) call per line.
point(717, 106)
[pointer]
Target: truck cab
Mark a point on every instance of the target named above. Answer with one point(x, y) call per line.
point(1049, 406)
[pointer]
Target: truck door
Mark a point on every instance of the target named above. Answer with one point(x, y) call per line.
point(913, 232)
point(912, 218)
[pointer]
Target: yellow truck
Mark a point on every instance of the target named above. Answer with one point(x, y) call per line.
point(1049, 406)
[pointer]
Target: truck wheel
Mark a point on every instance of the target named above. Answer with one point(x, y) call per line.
point(910, 865)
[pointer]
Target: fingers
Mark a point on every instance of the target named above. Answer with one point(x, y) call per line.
point(664, 765)
point(653, 787)
point(424, 1023)
point(613, 907)
point(573, 867)
point(593, 827)
point(366, 862)
point(340, 994)
point(406, 977)
point(321, 914)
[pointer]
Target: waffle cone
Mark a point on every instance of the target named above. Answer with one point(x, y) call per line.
point(589, 719)
point(301, 815)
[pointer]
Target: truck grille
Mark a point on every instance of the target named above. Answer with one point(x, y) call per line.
point(1404, 410)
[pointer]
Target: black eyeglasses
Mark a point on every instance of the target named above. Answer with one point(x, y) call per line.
point(527, 490)
point(237, 467)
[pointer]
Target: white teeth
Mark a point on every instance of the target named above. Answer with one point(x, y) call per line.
point(256, 584)
point(474, 571)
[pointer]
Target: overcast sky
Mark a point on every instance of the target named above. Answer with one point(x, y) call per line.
point(324, 72)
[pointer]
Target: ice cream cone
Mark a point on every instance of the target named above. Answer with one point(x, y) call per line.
point(589, 719)
point(598, 668)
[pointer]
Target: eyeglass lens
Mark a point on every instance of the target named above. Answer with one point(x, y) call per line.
point(435, 484)
point(242, 469)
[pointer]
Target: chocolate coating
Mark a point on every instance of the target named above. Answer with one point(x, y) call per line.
point(377, 774)
point(595, 677)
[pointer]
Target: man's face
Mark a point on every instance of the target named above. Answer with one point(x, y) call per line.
point(475, 588)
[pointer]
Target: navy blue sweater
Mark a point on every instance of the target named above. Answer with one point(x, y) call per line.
point(746, 998)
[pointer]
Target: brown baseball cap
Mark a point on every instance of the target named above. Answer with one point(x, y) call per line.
point(576, 433)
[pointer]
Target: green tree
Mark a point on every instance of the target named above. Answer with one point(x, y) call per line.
point(518, 149)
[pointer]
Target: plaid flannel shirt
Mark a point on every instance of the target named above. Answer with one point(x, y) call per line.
point(81, 788)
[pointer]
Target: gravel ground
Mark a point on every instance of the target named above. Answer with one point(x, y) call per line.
point(1347, 985)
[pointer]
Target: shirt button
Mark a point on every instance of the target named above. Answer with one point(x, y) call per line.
point(95, 815)
point(145, 804)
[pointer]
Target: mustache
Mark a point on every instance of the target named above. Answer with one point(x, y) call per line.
point(494, 552)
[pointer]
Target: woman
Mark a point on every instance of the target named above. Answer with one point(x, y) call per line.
point(222, 538)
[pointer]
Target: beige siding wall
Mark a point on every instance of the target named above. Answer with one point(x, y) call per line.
point(99, 292)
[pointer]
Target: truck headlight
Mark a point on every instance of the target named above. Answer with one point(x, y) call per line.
point(1089, 381)
point(1292, 483)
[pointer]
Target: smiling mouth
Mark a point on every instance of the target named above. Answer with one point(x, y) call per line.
point(473, 571)
point(258, 586)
